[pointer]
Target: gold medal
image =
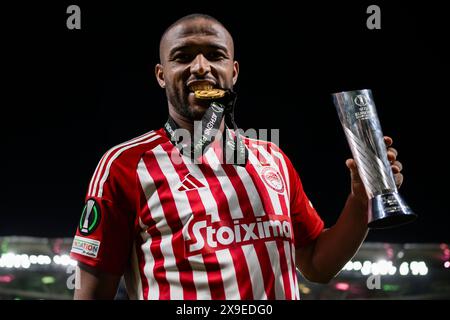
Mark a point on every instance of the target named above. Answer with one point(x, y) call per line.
point(209, 94)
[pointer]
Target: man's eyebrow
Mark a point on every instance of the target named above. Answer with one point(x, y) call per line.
point(188, 46)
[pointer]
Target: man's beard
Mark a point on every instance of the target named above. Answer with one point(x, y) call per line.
point(182, 106)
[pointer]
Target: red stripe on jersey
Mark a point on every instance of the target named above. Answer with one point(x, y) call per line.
point(278, 161)
point(241, 192)
point(216, 191)
point(215, 281)
point(261, 188)
point(176, 226)
point(211, 263)
point(281, 197)
point(101, 167)
point(294, 273)
point(241, 269)
point(141, 262)
point(242, 274)
point(266, 269)
point(263, 256)
point(112, 154)
point(159, 271)
point(284, 270)
point(280, 246)
point(196, 205)
point(282, 200)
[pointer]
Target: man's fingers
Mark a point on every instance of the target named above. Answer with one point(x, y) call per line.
point(397, 167)
point(388, 141)
point(392, 154)
point(398, 179)
point(351, 164)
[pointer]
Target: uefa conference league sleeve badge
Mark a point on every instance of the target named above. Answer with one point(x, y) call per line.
point(90, 217)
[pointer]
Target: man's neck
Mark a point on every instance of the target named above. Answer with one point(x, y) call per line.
point(188, 124)
point(181, 121)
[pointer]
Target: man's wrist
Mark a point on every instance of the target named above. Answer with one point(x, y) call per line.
point(360, 206)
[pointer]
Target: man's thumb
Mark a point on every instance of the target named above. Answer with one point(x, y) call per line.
point(351, 164)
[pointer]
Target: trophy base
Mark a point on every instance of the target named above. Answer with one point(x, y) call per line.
point(389, 210)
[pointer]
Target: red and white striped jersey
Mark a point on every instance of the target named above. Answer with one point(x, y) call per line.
point(179, 230)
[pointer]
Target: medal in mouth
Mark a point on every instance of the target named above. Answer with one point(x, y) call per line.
point(207, 92)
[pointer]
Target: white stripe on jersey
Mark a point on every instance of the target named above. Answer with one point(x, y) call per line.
point(294, 271)
point(153, 287)
point(273, 163)
point(133, 277)
point(200, 276)
point(252, 193)
point(205, 193)
point(101, 164)
point(228, 274)
point(274, 199)
point(274, 257)
point(114, 157)
point(256, 277)
point(156, 211)
point(182, 204)
point(224, 180)
point(181, 200)
point(287, 252)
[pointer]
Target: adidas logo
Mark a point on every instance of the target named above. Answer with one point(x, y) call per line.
point(190, 183)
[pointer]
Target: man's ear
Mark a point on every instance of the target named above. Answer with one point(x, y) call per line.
point(235, 71)
point(159, 73)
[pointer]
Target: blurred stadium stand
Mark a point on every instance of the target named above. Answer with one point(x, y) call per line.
point(40, 268)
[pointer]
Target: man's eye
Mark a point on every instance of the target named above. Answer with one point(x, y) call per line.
point(183, 57)
point(214, 56)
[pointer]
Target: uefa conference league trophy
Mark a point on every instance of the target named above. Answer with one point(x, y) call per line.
point(358, 116)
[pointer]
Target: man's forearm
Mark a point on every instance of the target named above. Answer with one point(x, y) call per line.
point(337, 245)
point(95, 285)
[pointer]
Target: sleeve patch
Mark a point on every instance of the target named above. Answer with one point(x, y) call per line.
point(85, 246)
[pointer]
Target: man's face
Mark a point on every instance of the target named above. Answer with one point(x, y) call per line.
point(195, 53)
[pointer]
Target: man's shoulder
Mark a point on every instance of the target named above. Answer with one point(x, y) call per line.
point(259, 143)
point(267, 147)
point(132, 149)
point(119, 162)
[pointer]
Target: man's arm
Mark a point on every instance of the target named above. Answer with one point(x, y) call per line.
point(321, 260)
point(325, 257)
point(95, 285)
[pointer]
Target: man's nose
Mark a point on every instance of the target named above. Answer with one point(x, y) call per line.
point(200, 65)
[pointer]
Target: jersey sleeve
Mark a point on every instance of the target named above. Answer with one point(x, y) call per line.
point(306, 222)
point(104, 234)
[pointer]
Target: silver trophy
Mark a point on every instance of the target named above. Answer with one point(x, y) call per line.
point(362, 128)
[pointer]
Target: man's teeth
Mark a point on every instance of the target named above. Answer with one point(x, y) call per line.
point(196, 87)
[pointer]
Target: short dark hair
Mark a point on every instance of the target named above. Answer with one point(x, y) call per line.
point(188, 17)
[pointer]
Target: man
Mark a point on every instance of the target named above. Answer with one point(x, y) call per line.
point(182, 229)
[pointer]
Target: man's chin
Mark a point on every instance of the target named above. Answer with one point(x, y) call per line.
point(197, 112)
point(197, 107)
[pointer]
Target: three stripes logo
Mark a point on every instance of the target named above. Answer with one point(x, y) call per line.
point(190, 183)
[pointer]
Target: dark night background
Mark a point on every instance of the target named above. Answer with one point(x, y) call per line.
point(70, 95)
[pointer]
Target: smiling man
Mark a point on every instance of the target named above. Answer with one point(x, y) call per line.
point(209, 228)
